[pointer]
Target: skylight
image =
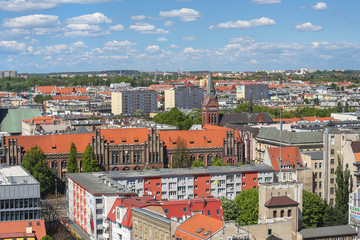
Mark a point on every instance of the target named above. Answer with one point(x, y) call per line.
point(207, 233)
point(200, 230)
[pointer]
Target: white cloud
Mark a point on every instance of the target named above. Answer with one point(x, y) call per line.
point(38, 5)
point(169, 24)
point(13, 33)
point(117, 28)
point(320, 6)
point(95, 18)
point(185, 14)
point(240, 24)
point(152, 49)
point(308, 27)
point(86, 33)
point(116, 45)
point(12, 46)
point(253, 61)
point(190, 50)
point(83, 27)
point(266, 1)
point(161, 39)
point(60, 48)
point(138, 17)
point(189, 38)
point(174, 46)
point(143, 27)
point(242, 40)
point(32, 21)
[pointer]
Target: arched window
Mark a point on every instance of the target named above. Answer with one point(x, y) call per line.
point(54, 164)
point(64, 164)
point(137, 168)
point(192, 158)
point(115, 169)
point(209, 160)
point(218, 156)
point(201, 157)
point(126, 169)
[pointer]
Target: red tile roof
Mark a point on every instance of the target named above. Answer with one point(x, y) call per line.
point(127, 218)
point(290, 156)
point(280, 201)
point(17, 228)
point(306, 119)
point(46, 89)
point(43, 120)
point(70, 97)
point(198, 227)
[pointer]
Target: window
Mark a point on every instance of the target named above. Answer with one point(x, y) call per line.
point(320, 165)
point(315, 185)
point(207, 181)
point(274, 214)
point(98, 201)
point(207, 190)
point(254, 179)
point(166, 210)
point(158, 184)
point(196, 195)
point(332, 171)
point(331, 201)
point(243, 184)
point(332, 161)
point(195, 178)
point(217, 212)
point(98, 211)
point(332, 151)
point(196, 186)
point(320, 174)
point(209, 212)
point(320, 183)
point(184, 209)
point(332, 180)
point(315, 175)
point(244, 175)
point(316, 165)
point(289, 213)
point(269, 231)
point(282, 213)
point(332, 190)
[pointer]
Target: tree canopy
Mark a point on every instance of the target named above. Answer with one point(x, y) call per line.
point(247, 202)
point(72, 164)
point(313, 210)
point(181, 154)
point(176, 118)
point(34, 162)
point(342, 192)
point(229, 207)
point(198, 163)
point(89, 162)
point(40, 98)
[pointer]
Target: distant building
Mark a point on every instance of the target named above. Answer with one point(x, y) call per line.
point(39, 125)
point(127, 102)
point(325, 233)
point(186, 97)
point(11, 119)
point(19, 195)
point(8, 74)
point(254, 92)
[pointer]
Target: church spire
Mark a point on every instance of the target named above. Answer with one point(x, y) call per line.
point(210, 89)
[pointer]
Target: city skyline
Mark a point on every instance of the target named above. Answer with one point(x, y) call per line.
point(245, 35)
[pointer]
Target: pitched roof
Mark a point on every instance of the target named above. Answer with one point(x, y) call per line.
point(305, 119)
point(45, 89)
point(11, 119)
point(333, 231)
point(355, 146)
point(290, 158)
point(42, 120)
point(280, 201)
point(273, 134)
point(245, 117)
point(15, 229)
point(198, 227)
point(70, 97)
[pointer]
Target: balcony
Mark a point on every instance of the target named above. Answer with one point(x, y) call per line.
point(357, 173)
point(106, 224)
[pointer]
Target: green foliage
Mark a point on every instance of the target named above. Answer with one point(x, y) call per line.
point(47, 237)
point(313, 210)
point(196, 116)
point(247, 202)
point(34, 162)
point(229, 208)
point(72, 163)
point(40, 98)
point(330, 216)
point(140, 114)
point(89, 162)
point(181, 154)
point(174, 117)
point(342, 192)
point(198, 163)
point(217, 162)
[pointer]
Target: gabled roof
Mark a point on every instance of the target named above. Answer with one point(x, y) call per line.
point(245, 117)
point(46, 89)
point(15, 229)
point(11, 119)
point(280, 201)
point(41, 120)
point(70, 97)
point(198, 227)
point(127, 218)
point(290, 158)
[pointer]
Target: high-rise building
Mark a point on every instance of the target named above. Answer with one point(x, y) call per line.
point(8, 74)
point(252, 91)
point(187, 97)
point(128, 101)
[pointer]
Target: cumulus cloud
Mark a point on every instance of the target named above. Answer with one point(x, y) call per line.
point(116, 45)
point(13, 47)
point(152, 49)
point(188, 38)
point(117, 28)
point(95, 18)
point(190, 50)
point(83, 27)
point(169, 24)
point(138, 17)
point(86, 33)
point(143, 27)
point(32, 21)
point(174, 46)
point(13, 33)
point(320, 6)
point(60, 48)
point(242, 40)
point(31, 5)
point(185, 14)
point(308, 27)
point(161, 39)
point(240, 24)
point(266, 1)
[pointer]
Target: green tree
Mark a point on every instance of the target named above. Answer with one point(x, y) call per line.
point(198, 163)
point(48, 97)
point(174, 117)
point(342, 192)
point(47, 237)
point(247, 202)
point(181, 154)
point(140, 114)
point(195, 116)
point(339, 107)
point(229, 208)
point(313, 210)
point(39, 99)
point(89, 162)
point(330, 216)
point(217, 162)
point(346, 108)
point(34, 162)
point(72, 165)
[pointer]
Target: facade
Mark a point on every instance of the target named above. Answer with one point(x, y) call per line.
point(210, 105)
point(19, 195)
point(315, 160)
point(255, 92)
point(38, 125)
point(169, 184)
point(87, 194)
point(128, 101)
point(185, 97)
point(129, 148)
point(8, 74)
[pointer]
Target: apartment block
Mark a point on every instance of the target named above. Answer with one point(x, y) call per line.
point(128, 101)
point(186, 97)
point(254, 92)
point(8, 74)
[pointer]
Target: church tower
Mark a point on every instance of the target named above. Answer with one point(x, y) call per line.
point(210, 105)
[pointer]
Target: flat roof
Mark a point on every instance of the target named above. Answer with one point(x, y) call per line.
point(99, 183)
point(172, 172)
point(12, 175)
point(333, 231)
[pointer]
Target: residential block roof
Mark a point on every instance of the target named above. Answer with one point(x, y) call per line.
point(11, 119)
point(355, 146)
point(323, 232)
point(290, 158)
point(14, 229)
point(296, 138)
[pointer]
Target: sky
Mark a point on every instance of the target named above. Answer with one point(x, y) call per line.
point(42, 36)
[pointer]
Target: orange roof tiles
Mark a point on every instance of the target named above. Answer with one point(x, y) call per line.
point(308, 119)
point(198, 227)
point(290, 156)
point(46, 89)
point(19, 227)
point(43, 120)
point(70, 97)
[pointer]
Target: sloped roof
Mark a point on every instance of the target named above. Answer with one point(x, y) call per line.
point(290, 156)
point(273, 134)
point(245, 117)
point(70, 97)
point(333, 231)
point(45, 89)
point(198, 227)
point(19, 228)
point(11, 119)
point(280, 201)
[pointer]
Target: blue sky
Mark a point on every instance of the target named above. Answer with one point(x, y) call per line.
point(229, 35)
